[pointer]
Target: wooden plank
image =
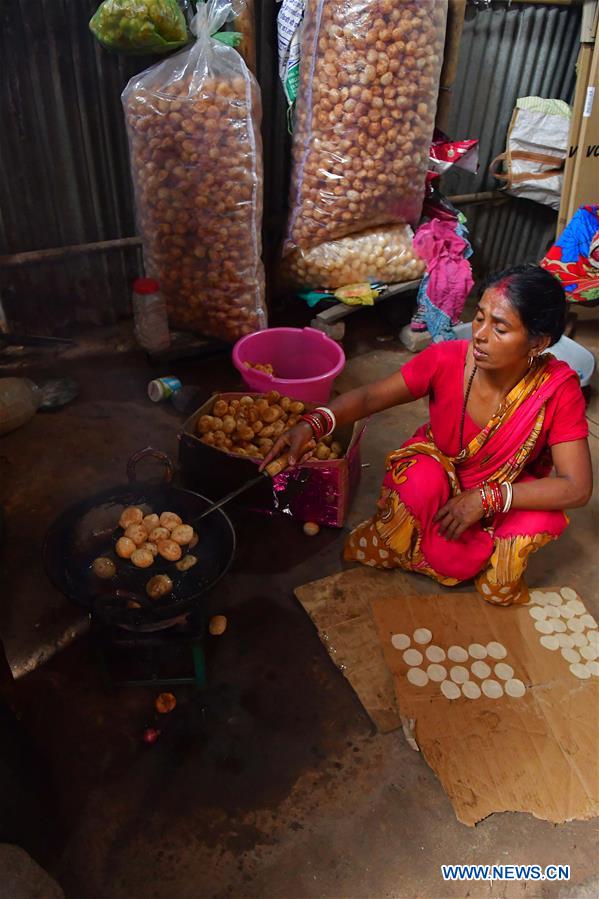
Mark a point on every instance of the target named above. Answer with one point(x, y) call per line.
point(583, 68)
point(585, 181)
point(455, 22)
point(590, 14)
point(100, 246)
point(336, 313)
point(548, 2)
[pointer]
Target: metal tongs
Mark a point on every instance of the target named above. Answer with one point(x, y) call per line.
point(271, 471)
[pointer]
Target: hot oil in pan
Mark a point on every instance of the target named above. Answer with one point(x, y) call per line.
point(86, 530)
point(96, 536)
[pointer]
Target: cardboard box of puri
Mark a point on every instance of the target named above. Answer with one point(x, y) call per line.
point(312, 491)
point(534, 751)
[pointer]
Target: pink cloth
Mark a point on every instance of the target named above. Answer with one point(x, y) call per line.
point(450, 275)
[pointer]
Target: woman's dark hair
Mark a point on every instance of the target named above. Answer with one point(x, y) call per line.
point(537, 297)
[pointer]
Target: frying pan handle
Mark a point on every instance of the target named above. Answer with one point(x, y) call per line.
point(149, 451)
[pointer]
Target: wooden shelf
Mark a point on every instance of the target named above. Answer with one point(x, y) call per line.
point(335, 313)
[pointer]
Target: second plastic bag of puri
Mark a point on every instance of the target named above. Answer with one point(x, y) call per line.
point(369, 76)
point(193, 123)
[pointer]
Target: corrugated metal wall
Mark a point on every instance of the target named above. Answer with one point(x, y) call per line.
point(505, 54)
point(63, 164)
point(64, 171)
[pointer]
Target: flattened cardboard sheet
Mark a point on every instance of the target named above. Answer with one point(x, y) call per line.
point(339, 607)
point(537, 753)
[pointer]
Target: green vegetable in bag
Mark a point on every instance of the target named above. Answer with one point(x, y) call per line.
point(140, 26)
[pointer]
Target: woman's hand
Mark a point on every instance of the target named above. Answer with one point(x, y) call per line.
point(297, 439)
point(457, 515)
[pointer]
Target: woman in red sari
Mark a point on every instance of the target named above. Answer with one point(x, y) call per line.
point(470, 494)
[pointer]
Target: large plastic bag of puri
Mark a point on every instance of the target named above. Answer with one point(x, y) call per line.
point(139, 26)
point(365, 110)
point(196, 158)
point(384, 254)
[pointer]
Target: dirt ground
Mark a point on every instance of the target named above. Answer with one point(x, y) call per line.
point(272, 783)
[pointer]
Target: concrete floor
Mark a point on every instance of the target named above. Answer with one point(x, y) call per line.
point(274, 783)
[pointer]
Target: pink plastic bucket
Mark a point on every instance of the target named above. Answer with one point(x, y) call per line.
point(305, 362)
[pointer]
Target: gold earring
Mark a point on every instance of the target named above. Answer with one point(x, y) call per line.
point(531, 360)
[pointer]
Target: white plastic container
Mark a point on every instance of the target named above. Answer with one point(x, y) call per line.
point(150, 316)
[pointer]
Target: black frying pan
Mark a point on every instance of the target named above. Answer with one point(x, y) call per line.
point(89, 529)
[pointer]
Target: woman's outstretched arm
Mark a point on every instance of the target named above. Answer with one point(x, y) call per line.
point(348, 408)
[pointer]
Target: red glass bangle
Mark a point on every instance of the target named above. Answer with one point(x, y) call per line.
point(484, 501)
point(315, 422)
point(491, 496)
point(329, 418)
point(497, 497)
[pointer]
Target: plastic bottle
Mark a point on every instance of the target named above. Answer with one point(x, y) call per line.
point(19, 401)
point(150, 316)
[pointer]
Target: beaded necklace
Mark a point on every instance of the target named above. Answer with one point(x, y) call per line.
point(466, 397)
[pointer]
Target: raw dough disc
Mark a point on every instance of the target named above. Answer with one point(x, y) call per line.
point(422, 635)
point(553, 611)
point(457, 654)
point(412, 657)
point(504, 672)
point(471, 690)
point(593, 667)
point(449, 690)
point(565, 641)
point(515, 688)
point(544, 627)
point(550, 642)
point(400, 641)
point(568, 593)
point(435, 654)
point(581, 639)
point(539, 612)
point(436, 673)
point(593, 638)
point(577, 606)
point(477, 651)
point(496, 650)
point(492, 689)
point(418, 677)
point(581, 671)
point(570, 655)
point(566, 612)
point(589, 621)
point(590, 652)
point(553, 599)
point(480, 669)
point(538, 596)
point(459, 674)
point(559, 626)
point(576, 625)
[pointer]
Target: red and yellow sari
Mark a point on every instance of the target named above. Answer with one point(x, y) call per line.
point(545, 408)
